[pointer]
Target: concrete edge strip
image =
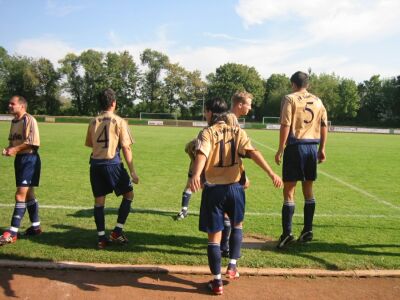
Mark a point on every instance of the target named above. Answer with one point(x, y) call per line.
point(193, 270)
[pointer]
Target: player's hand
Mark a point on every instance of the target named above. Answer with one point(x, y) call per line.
point(135, 178)
point(278, 157)
point(195, 183)
point(276, 181)
point(11, 151)
point(247, 183)
point(321, 156)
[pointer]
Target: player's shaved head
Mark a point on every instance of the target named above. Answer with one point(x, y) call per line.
point(21, 100)
point(300, 79)
point(106, 98)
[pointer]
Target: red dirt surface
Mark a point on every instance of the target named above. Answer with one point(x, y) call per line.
point(27, 283)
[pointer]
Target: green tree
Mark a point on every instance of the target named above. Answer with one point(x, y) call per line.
point(151, 90)
point(123, 76)
point(232, 77)
point(326, 87)
point(349, 103)
point(276, 86)
point(372, 103)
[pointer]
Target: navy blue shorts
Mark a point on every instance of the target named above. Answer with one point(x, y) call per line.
point(217, 200)
point(300, 162)
point(106, 179)
point(27, 169)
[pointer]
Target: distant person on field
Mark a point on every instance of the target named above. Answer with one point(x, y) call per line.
point(303, 126)
point(24, 142)
point(107, 135)
point(219, 149)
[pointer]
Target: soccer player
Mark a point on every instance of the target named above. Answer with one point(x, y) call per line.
point(219, 150)
point(240, 106)
point(24, 142)
point(303, 126)
point(107, 135)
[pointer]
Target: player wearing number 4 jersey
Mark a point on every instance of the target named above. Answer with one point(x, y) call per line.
point(303, 126)
point(219, 151)
point(107, 135)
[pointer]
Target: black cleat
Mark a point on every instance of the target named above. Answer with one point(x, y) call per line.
point(182, 214)
point(305, 236)
point(284, 240)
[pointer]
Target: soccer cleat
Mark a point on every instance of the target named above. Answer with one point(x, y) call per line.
point(305, 236)
point(225, 253)
point(7, 238)
point(232, 272)
point(118, 238)
point(216, 286)
point(32, 231)
point(284, 240)
point(182, 214)
point(103, 243)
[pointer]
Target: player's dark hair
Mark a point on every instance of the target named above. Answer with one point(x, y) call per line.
point(300, 79)
point(21, 100)
point(106, 98)
point(218, 107)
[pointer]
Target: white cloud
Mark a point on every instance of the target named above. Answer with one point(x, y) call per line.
point(349, 20)
point(47, 47)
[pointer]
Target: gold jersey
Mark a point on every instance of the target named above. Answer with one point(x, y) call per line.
point(106, 134)
point(305, 114)
point(24, 131)
point(223, 145)
point(231, 119)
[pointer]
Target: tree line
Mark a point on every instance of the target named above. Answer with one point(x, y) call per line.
point(155, 84)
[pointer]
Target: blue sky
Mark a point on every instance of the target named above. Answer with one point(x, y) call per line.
point(353, 38)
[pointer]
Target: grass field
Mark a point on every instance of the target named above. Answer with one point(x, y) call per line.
point(356, 224)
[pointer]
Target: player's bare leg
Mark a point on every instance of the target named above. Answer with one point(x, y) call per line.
point(288, 207)
point(214, 262)
point(235, 245)
point(309, 209)
point(32, 206)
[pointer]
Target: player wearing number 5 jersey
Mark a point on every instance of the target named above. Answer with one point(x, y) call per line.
point(219, 149)
point(107, 135)
point(303, 126)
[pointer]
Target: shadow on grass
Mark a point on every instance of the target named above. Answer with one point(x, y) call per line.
point(90, 281)
point(71, 237)
point(306, 250)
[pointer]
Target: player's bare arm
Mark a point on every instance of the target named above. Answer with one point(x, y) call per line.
point(12, 151)
point(321, 149)
point(283, 135)
point(199, 163)
point(126, 150)
point(260, 161)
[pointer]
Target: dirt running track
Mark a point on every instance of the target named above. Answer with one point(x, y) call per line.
point(27, 283)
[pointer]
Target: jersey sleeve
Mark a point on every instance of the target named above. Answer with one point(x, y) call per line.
point(244, 145)
point(190, 149)
point(203, 142)
point(286, 111)
point(125, 138)
point(31, 132)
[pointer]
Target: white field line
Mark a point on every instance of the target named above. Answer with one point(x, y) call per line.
point(350, 186)
point(65, 207)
